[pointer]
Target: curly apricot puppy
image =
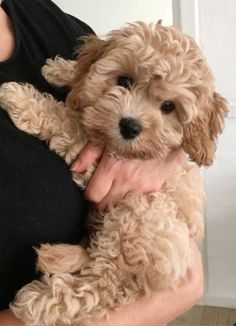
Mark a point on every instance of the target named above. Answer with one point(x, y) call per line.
point(141, 92)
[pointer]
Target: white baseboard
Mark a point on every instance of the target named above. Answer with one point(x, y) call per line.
point(224, 302)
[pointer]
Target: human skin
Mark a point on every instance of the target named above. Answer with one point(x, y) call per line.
point(112, 180)
point(7, 41)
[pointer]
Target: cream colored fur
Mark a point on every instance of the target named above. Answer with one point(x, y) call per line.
point(141, 243)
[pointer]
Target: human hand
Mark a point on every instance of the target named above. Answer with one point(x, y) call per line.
point(7, 318)
point(114, 178)
point(163, 306)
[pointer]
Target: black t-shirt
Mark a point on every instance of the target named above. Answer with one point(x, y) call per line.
point(38, 200)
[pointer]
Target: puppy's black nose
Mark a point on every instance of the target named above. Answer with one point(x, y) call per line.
point(129, 128)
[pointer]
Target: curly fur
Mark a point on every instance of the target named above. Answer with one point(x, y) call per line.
point(141, 243)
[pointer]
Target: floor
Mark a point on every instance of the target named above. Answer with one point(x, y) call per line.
point(207, 316)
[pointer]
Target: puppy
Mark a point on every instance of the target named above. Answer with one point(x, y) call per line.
point(141, 92)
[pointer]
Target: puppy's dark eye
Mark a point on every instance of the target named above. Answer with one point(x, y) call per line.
point(168, 106)
point(125, 81)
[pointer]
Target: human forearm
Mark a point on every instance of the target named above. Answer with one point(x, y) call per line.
point(146, 311)
point(7, 318)
point(158, 310)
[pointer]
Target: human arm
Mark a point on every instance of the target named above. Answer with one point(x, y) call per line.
point(7, 318)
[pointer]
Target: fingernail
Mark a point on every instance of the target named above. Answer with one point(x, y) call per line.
point(75, 166)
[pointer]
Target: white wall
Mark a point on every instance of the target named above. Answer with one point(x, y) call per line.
point(217, 22)
point(105, 15)
point(217, 34)
point(214, 24)
point(220, 242)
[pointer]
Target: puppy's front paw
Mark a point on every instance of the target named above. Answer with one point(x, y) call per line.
point(10, 95)
point(17, 98)
point(59, 72)
point(50, 302)
point(20, 100)
point(26, 106)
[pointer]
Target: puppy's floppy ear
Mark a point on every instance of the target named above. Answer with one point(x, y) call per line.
point(200, 135)
point(89, 52)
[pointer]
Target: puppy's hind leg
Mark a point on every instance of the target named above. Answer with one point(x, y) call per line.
point(59, 72)
point(49, 302)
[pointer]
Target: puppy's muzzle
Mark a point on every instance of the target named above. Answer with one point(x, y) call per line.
point(129, 128)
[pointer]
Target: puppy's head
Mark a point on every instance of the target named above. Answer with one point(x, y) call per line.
point(146, 89)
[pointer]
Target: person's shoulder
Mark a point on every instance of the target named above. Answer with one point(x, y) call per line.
point(47, 15)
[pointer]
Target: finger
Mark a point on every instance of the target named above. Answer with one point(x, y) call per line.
point(115, 194)
point(182, 157)
point(89, 155)
point(177, 155)
point(102, 179)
